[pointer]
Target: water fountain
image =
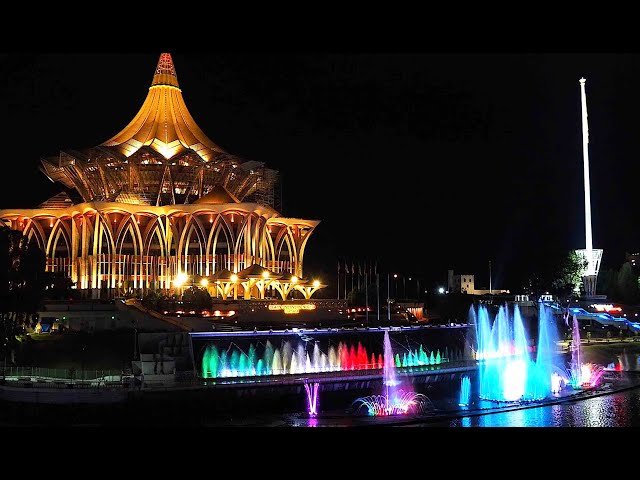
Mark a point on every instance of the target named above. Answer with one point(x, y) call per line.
point(581, 375)
point(304, 357)
point(506, 371)
point(394, 401)
point(312, 398)
point(465, 391)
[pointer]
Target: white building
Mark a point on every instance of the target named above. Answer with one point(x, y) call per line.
point(465, 283)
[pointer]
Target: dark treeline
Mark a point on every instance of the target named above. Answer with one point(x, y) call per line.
point(22, 286)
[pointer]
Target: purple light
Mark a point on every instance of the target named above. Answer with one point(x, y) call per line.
point(312, 398)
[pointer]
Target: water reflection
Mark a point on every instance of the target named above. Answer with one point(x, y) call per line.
point(616, 410)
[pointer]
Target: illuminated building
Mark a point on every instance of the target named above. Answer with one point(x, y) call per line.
point(465, 283)
point(462, 283)
point(160, 201)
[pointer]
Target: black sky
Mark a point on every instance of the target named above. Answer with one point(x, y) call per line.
point(423, 161)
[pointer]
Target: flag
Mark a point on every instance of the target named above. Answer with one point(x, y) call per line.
point(338, 266)
point(375, 268)
point(346, 267)
point(353, 267)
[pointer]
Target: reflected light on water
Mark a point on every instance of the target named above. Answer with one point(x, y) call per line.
point(617, 410)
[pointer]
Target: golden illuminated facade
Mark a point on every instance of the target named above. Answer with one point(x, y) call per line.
point(161, 201)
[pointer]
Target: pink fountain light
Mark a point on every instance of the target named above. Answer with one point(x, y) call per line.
point(393, 401)
point(312, 398)
point(591, 374)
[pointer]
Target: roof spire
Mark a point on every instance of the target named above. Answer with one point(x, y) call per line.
point(164, 122)
point(165, 72)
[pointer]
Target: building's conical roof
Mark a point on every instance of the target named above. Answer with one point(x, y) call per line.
point(218, 195)
point(164, 122)
point(256, 270)
point(223, 274)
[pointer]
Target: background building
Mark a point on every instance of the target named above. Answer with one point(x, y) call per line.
point(465, 283)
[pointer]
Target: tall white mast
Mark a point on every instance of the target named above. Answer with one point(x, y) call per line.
point(587, 191)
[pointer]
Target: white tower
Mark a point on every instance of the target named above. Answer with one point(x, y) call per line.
point(592, 256)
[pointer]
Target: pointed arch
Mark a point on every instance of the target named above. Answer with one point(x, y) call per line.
point(154, 228)
point(34, 229)
point(193, 255)
point(125, 226)
point(268, 254)
point(155, 270)
point(103, 251)
point(59, 249)
point(59, 228)
point(105, 225)
point(193, 224)
point(286, 238)
point(129, 260)
point(214, 248)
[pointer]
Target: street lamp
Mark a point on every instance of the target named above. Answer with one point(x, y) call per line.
point(395, 284)
point(441, 290)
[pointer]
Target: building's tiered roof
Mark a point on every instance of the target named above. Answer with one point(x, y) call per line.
point(162, 157)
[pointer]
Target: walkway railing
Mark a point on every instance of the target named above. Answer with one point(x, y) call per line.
point(66, 375)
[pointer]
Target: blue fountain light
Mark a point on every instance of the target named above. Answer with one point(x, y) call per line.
point(507, 371)
point(465, 391)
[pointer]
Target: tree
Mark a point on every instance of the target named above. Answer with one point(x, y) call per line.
point(151, 300)
point(198, 297)
point(568, 280)
point(608, 283)
point(627, 284)
point(22, 281)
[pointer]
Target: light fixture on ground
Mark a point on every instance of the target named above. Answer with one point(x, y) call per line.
point(180, 280)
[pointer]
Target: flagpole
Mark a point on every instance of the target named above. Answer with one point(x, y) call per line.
point(388, 299)
point(366, 297)
point(346, 272)
point(353, 271)
point(338, 279)
point(378, 293)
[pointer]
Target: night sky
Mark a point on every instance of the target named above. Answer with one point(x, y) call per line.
point(422, 161)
